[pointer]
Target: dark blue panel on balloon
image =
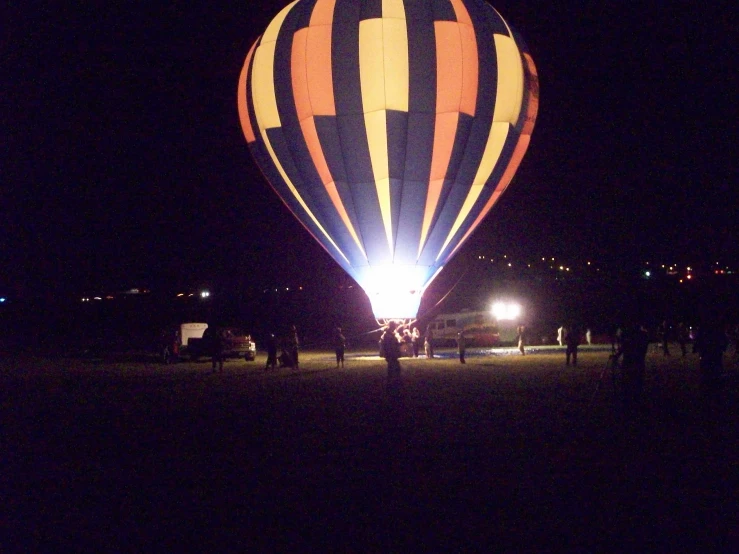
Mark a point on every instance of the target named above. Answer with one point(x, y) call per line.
point(420, 146)
point(421, 58)
point(345, 57)
point(456, 196)
point(443, 10)
point(464, 127)
point(353, 136)
point(397, 139)
point(371, 9)
point(413, 201)
point(370, 222)
point(475, 148)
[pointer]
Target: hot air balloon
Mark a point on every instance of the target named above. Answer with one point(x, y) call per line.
point(389, 128)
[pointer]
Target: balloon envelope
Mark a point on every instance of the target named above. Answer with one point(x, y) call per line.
point(389, 128)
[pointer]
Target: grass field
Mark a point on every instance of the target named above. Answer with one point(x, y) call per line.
point(503, 454)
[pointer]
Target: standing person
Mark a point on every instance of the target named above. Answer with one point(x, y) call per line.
point(664, 335)
point(683, 336)
point(294, 344)
point(633, 348)
point(616, 340)
point(710, 345)
point(428, 344)
point(521, 330)
point(589, 336)
point(216, 349)
point(271, 352)
point(461, 346)
point(339, 346)
point(416, 340)
point(391, 350)
point(572, 339)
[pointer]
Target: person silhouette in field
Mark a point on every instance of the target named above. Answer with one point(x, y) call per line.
point(461, 346)
point(339, 346)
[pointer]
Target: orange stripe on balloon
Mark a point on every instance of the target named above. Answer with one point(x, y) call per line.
point(533, 95)
point(448, 66)
point(323, 13)
point(319, 70)
point(470, 70)
point(463, 16)
point(246, 125)
point(445, 131)
point(310, 134)
point(299, 72)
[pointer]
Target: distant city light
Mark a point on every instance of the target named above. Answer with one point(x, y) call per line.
point(647, 274)
point(205, 294)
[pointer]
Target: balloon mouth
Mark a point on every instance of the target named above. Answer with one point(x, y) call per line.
point(394, 291)
point(395, 304)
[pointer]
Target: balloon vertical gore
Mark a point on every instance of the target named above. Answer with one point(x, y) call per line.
point(389, 128)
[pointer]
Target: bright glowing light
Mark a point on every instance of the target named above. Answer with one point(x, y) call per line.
point(647, 273)
point(506, 311)
point(394, 291)
point(205, 294)
point(2, 300)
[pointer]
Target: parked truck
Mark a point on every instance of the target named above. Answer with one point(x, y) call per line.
point(190, 340)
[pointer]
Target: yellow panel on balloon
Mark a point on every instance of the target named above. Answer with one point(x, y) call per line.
point(371, 65)
point(395, 57)
point(510, 80)
point(263, 88)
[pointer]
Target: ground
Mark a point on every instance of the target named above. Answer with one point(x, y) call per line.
point(504, 454)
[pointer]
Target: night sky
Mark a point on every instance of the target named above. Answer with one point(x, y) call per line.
point(123, 162)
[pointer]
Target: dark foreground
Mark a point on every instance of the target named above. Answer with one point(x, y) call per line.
point(503, 454)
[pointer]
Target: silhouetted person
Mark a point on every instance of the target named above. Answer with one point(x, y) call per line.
point(521, 331)
point(391, 349)
point(428, 344)
point(216, 349)
point(416, 341)
point(683, 336)
point(616, 340)
point(461, 346)
point(634, 348)
point(572, 339)
point(271, 352)
point(285, 359)
point(339, 346)
point(293, 345)
point(710, 345)
point(664, 335)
